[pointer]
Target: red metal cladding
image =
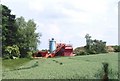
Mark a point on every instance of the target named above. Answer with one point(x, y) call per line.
point(68, 52)
point(64, 49)
point(61, 50)
point(43, 54)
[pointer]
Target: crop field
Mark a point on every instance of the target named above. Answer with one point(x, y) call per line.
point(77, 67)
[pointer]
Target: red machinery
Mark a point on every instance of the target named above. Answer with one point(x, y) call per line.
point(61, 50)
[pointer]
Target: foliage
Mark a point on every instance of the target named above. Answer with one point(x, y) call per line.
point(88, 40)
point(29, 54)
point(77, 67)
point(27, 40)
point(95, 46)
point(116, 48)
point(9, 28)
point(82, 53)
point(17, 31)
point(12, 51)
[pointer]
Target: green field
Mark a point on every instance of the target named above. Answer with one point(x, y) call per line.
point(77, 67)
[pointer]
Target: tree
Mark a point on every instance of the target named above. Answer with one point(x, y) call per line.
point(19, 33)
point(9, 28)
point(88, 40)
point(95, 46)
point(27, 40)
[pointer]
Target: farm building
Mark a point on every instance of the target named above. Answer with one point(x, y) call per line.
point(56, 49)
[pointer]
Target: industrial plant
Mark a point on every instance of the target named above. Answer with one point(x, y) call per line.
point(55, 49)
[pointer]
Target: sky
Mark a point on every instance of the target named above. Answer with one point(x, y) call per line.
point(68, 21)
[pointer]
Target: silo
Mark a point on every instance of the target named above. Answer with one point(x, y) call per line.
point(52, 45)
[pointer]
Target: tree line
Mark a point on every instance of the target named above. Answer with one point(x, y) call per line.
point(19, 37)
point(95, 47)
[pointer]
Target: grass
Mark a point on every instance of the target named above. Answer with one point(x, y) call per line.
point(14, 63)
point(77, 67)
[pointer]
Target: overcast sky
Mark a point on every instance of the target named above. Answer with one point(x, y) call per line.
point(70, 20)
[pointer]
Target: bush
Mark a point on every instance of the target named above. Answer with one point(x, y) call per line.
point(6, 56)
point(91, 51)
point(29, 54)
point(82, 53)
point(12, 51)
point(117, 48)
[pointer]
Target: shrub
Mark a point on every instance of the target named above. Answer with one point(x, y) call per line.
point(12, 51)
point(29, 54)
point(116, 48)
point(6, 56)
point(91, 51)
point(82, 53)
